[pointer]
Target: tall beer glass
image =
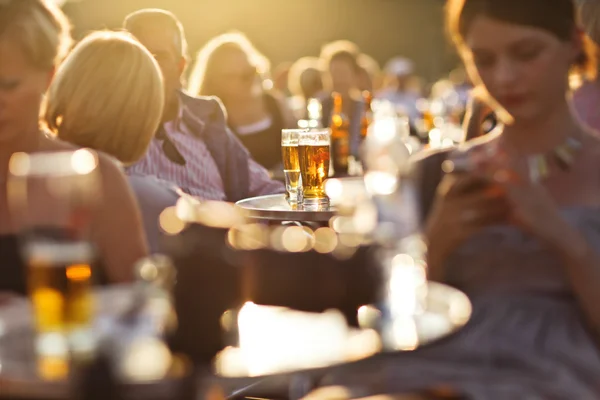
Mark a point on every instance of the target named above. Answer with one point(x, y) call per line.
point(314, 153)
point(51, 199)
point(291, 163)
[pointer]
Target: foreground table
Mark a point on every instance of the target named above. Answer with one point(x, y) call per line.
point(20, 376)
point(446, 311)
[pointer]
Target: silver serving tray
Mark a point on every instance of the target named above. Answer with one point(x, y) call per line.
point(276, 208)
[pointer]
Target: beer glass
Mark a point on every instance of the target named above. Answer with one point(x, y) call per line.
point(51, 200)
point(314, 154)
point(291, 163)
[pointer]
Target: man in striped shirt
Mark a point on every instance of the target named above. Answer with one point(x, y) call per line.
point(193, 148)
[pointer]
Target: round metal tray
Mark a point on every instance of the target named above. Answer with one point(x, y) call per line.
point(446, 310)
point(276, 208)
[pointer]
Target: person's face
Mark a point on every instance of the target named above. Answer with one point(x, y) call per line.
point(311, 83)
point(525, 69)
point(343, 76)
point(162, 44)
point(236, 77)
point(21, 89)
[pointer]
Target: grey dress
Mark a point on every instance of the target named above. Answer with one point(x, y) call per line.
point(527, 338)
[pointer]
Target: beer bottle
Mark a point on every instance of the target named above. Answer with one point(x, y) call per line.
point(367, 116)
point(340, 137)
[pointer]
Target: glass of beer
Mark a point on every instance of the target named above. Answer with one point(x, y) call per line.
point(291, 164)
point(52, 197)
point(314, 153)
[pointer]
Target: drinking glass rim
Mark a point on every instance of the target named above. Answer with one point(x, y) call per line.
point(316, 131)
point(295, 130)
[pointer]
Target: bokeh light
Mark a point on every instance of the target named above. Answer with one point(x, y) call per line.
point(326, 240)
point(248, 237)
point(169, 221)
point(84, 161)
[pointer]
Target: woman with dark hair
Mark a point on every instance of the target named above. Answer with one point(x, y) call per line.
point(518, 231)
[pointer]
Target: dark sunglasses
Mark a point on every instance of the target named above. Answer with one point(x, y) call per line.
point(169, 148)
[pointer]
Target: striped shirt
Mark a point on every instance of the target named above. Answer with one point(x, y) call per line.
point(200, 176)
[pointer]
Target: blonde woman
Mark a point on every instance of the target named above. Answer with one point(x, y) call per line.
point(108, 95)
point(34, 37)
point(231, 68)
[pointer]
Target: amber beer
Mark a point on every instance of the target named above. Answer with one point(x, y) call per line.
point(367, 116)
point(59, 280)
point(340, 137)
point(314, 152)
point(291, 162)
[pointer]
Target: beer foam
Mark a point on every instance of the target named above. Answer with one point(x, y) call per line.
point(59, 252)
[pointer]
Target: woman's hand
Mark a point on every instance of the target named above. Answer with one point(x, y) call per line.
point(531, 207)
point(465, 204)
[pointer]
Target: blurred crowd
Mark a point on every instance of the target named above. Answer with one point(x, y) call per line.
point(261, 100)
point(510, 218)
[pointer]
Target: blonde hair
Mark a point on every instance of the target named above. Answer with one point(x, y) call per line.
point(206, 65)
point(39, 28)
point(107, 95)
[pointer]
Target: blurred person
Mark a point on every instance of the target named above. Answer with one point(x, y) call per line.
point(193, 148)
point(108, 95)
point(340, 59)
point(281, 77)
point(586, 99)
point(305, 82)
point(370, 78)
point(516, 226)
point(34, 37)
point(399, 86)
point(231, 68)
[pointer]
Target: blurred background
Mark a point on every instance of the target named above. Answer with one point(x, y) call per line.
point(288, 29)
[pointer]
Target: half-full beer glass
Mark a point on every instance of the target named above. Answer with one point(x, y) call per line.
point(314, 153)
point(52, 198)
point(291, 163)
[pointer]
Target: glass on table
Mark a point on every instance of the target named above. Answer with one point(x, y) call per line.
point(51, 199)
point(314, 154)
point(291, 164)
